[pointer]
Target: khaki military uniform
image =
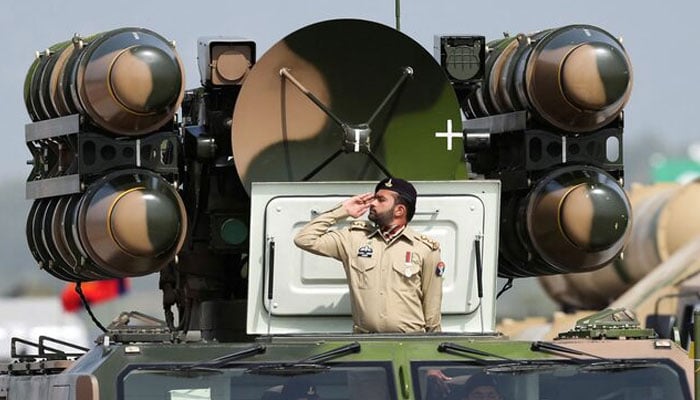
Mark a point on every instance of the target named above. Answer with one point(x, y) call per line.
point(394, 286)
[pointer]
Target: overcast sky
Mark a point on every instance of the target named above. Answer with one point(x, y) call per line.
point(661, 39)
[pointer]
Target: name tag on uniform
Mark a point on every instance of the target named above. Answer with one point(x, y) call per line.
point(365, 251)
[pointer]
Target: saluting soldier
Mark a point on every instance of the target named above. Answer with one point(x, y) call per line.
point(394, 272)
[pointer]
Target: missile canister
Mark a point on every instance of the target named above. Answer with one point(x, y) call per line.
point(665, 218)
point(593, 70)
point(575, 219)
point(128, 223)
point(128, 81)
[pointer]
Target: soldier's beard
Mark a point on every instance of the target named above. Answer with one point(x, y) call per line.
point(381, 219)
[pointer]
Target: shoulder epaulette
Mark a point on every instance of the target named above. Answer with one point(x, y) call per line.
point(431, 243)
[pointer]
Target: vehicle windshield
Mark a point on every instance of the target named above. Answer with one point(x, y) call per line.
point(356, 381)
point(580, 380)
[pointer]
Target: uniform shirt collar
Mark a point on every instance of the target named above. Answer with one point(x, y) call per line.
point(389, 233)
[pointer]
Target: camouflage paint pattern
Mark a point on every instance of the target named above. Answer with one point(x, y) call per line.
point(57, 94)
point(279, 134)
point(107, 367)
point(131, 223)
point(665, 219)
point(593, 78)
point(577, 217)
point(129, 81)
point(231, 65)
point(39, 80)
point(100, 224)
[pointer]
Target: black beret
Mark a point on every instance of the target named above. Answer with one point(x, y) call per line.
point(402, 187)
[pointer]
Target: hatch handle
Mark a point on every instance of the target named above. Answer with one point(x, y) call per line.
point(479, 267)
point(271, 269)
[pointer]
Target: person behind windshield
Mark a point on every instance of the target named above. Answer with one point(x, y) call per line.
point(479, 387)
point(394, 273)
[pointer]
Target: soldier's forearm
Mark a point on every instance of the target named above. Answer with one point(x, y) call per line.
point(433, 316)
point(314, 235)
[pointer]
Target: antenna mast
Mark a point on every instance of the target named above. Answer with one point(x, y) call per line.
point(397, 8)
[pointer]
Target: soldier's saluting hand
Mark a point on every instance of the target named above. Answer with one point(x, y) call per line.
point(357, 205)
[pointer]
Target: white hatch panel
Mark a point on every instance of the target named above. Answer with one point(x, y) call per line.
point(292, 291)
point(308, 284)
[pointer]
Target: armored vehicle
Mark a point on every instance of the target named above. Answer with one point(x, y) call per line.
point(515, 147)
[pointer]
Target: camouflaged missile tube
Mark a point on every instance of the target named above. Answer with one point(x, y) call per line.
point(105, 153)
point(128, 81)
point(593, 84)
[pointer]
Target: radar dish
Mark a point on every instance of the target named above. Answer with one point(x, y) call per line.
point(345, 100)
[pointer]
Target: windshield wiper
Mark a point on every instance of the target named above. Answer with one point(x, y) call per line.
point(212, 365)
point(288, 369)
point(605, 363)
point(222, 361)
point(459, 350)
point(521, 366)
point(551, 348)
point(618, 365)
point(510, 366)
point(309, 365)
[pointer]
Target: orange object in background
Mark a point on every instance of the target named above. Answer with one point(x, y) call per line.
point(94, 291)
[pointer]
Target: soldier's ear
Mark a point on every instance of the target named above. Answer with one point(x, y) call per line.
point(400, 210)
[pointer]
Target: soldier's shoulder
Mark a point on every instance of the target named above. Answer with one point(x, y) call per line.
point(428, 241)
point(361, 225)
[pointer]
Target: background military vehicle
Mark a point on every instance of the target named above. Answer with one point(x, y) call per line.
point(123, 187)
point(657, 277)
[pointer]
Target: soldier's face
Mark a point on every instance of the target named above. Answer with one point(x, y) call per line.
point(381, 208)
